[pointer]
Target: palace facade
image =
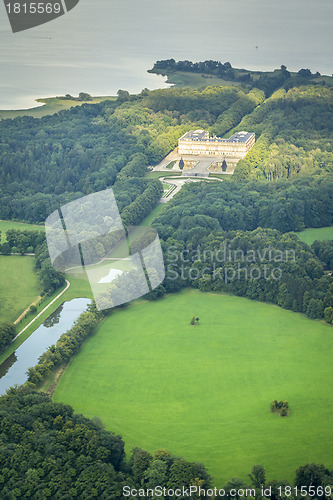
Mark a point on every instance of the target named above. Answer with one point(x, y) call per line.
point(198, 142)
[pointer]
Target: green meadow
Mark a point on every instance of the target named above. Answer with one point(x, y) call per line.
point(153, 214)
point(162, 173)
point(19, 285)
point(204, 392)
point(196, 80)
point(318, 233)
point(8, 224)
point(50, 105)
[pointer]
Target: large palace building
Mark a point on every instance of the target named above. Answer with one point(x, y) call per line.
point(198, 142)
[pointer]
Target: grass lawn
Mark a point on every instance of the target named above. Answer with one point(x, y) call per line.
point(171, 164)
point(8, 224)
point(51, 105)
point(153, 214)
point(161, 173)
point(196, 80)
point(225, 177)
point(19, 285)
point(203, 392)
point(318, 233)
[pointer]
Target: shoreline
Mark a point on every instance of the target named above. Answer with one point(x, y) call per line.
point(42, 102)
point(53, 104)
point(49, 106)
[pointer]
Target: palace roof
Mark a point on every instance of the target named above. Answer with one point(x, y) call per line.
point(203, 136)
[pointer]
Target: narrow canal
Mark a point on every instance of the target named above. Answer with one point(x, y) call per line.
point(13, 370)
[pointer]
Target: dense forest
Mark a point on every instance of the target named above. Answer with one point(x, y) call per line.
point(294, 131)
point(253, 221)
point(283, 205)
point(47, 162)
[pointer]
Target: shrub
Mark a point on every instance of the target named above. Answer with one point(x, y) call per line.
point(274, 404)
point(284, 412)
point(280, 407)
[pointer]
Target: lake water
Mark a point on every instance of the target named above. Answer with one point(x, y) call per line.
point(102, 46)
point(13, 370)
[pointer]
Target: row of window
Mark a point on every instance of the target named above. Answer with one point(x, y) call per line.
point(225, 153)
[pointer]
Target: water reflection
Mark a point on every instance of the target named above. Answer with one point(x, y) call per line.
point(7, 364)
point(54, 318)
point(13, 370)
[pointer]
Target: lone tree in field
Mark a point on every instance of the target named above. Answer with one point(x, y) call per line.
point(281, 408)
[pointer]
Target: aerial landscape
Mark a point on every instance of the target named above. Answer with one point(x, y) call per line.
point(166, 254)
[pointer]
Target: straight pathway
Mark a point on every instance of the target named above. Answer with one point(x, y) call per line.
point(43, 310)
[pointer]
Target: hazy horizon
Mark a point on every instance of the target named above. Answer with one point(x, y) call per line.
point(99, 47)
